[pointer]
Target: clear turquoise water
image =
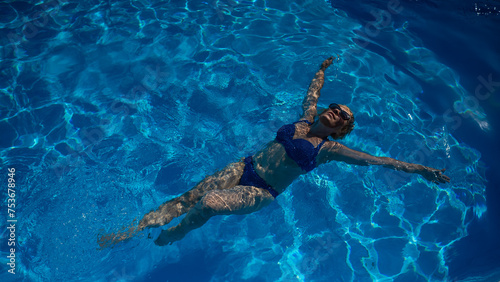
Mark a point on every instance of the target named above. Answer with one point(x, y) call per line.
point(110, 109)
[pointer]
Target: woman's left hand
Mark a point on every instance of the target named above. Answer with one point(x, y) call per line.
point(435, 175)
point(328, 62)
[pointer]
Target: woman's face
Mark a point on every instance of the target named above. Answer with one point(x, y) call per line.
point(333, 119)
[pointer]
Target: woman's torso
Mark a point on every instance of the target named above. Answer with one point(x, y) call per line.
point(275, 166)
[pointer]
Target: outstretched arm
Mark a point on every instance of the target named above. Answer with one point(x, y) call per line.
point(338, 152)
point(313, 93)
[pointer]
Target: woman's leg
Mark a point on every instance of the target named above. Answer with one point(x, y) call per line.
point(226, 178)
point(239, 200)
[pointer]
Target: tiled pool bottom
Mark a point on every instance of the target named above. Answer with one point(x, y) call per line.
point(111, 110)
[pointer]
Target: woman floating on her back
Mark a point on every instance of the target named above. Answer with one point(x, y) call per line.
point(254, 182)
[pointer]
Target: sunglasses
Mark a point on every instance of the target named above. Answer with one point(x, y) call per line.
point(343, 114)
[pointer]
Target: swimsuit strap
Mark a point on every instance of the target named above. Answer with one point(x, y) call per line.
point(322, 142)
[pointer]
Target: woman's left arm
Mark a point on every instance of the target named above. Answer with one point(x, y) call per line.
point(313, 92)
point(334, 151)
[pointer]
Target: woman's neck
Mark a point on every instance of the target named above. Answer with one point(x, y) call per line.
point(319, 130)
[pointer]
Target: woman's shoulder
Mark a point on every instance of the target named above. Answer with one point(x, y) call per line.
point(308, 119)
point(332, 146)
point(328, 151)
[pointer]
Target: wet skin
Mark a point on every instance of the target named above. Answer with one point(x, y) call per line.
point(220, 194)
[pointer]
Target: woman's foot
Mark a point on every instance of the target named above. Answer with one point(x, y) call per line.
point(167, 237)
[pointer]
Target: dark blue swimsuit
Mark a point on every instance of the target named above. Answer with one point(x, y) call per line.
point(299, 150)
point(251, 178)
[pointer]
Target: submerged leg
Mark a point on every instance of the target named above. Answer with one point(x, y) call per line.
point(240, 200)
point(224, 179)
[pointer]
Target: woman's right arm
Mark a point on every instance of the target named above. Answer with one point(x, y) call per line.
point(313, 93)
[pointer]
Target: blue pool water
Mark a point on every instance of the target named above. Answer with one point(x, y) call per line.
point(108, 109)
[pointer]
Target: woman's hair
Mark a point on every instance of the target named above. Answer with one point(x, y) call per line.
point(345, 130)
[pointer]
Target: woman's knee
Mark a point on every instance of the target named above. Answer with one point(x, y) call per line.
point(226, 178)
point(214, 202)
point(241, 200)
